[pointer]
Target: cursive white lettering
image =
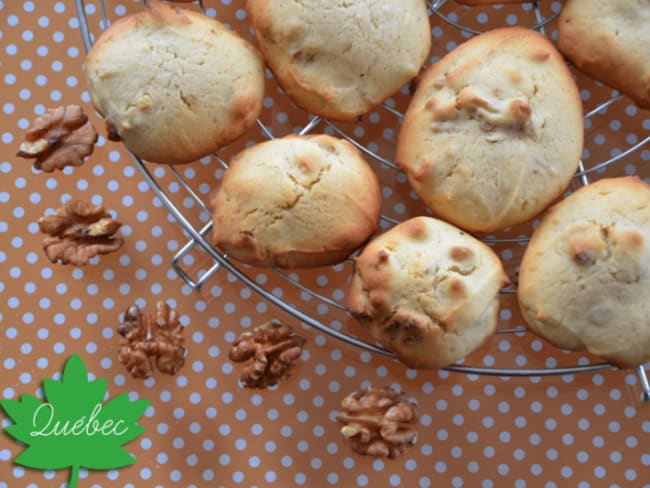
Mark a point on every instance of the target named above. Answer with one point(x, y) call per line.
point(39, 433)
point(117, 424)
point(44, 416)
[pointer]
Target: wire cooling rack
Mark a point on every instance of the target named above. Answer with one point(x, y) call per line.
point(452, 24)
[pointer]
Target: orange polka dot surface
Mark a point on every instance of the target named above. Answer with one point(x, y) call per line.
point(202, 428)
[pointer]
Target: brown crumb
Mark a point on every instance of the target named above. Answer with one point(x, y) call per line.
point(111, 132)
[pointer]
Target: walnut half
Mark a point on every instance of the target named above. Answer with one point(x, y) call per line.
point(379, 422)
point(272, 350)
point(61, 137)
point(78, 232)
point(154, 339)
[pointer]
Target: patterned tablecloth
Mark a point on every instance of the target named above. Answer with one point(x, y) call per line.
point(202, 429)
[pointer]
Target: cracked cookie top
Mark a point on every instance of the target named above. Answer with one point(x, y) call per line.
point(494, 131)
point(339, 59)
point(174, 84)
point(427, 291)
point(585, 276)
point(295, 202)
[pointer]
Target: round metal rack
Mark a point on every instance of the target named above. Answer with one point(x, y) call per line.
point(539, 16)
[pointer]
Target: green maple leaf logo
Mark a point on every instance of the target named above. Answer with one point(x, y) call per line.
point(74, 429)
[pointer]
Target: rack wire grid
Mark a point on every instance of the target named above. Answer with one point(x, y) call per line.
point(612, 145)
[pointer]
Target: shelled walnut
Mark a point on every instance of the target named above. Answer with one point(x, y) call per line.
point(271, 349)
point(78, 232)
point(61, 137)
point(152, 340)
point(379, 422)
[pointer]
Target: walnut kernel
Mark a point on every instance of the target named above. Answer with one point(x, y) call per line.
point(79, 231)
point(379, 422)
point(61, 137)
point(151, 340)
point(271, 350)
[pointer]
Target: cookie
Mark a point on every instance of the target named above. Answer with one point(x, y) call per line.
point(585, 276)
point(340, 59)
point(427, 291)
point(610, 41)
point(174, 84)
point(494, 131)
point(296, 202)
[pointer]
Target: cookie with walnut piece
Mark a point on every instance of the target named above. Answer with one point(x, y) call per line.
point(585, 275)
point(494, 131)
point(427, 291)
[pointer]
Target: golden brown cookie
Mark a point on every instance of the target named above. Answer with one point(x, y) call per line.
point(340, 59)
point(174, 84)
point(427, 291)
point(494, 131)
point(296, 202)
point(585, 276)
point(610, 40)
